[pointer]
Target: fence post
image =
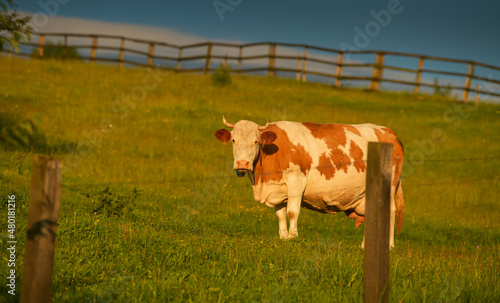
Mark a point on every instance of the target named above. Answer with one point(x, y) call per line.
point(299, 65)
point(209, 56)
point(377, 222)
point(272, 54)
point(477, 94)
point(10, 51)
point(179, 59)
point(225, 61)
point(468, 81)
point(419, 75)
point(340, 59)
point(93, 50)
point(239, 59)
point(122, 49)
point(150, 54)
point(42, 225)
point(65, 49)
point(304, 65)
point(377, 72)
point(40, 45)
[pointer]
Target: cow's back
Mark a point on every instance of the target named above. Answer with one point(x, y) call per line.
point(332, 158)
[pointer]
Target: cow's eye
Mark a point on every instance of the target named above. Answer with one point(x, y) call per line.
point(232, 141)
point(256, 142)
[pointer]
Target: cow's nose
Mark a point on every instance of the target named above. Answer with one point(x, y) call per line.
point(243, 164)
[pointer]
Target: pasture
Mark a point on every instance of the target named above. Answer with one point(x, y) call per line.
point(152, 212)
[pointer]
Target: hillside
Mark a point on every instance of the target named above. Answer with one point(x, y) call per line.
point(182, 226)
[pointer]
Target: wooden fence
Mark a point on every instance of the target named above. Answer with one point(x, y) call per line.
point(332, 59)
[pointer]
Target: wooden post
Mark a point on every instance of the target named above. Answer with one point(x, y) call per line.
point(340, 59)
point(299, 65)
point(209, 55)
point(225, 61)
point(10, 51)
point(377, 222)
point(239, 59)
point(122, 50)
point(477, 94)
point(304, 65)
point(272, 54)
point(40, 45)
point(42, 225)
point(419, 75)
point(65, 49)
point(377, 72)
point(150, 54)
point(179, 59)
point(93, 50)
point(468, 81)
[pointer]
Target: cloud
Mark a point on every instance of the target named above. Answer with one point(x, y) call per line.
point(59, 24)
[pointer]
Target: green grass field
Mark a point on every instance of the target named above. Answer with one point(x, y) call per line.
point(152, 212)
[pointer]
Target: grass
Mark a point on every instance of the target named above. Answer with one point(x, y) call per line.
point(152, 212)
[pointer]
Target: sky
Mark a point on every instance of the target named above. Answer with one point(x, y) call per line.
point(449, 28)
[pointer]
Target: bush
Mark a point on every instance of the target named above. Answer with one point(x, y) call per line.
point(222, 76)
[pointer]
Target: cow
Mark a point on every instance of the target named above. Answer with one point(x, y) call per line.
point(321, 167)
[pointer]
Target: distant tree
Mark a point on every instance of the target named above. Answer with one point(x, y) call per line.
point(51, 50)
point(13, 29)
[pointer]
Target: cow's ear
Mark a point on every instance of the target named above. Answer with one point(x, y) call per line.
point(268, 138)
point(224, 135)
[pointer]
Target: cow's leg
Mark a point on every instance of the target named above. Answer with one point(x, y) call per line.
point(281, 215)
point(296, 186)
point(359, 216)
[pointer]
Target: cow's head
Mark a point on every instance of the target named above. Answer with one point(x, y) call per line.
point(247, 138)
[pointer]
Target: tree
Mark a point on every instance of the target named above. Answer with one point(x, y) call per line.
point(16, 28)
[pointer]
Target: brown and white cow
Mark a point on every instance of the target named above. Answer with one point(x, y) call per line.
point(318, 166)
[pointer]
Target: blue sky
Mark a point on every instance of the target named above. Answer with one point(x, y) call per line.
point(458, 29)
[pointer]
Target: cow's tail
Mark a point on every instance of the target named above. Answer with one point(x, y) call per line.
point(400, 207)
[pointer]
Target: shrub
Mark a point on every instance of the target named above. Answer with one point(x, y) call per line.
point(222, 76)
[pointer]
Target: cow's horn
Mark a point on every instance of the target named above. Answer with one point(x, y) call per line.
point(227, 123)
point(264, 126)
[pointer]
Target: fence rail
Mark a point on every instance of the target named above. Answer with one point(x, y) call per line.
point(332, 63)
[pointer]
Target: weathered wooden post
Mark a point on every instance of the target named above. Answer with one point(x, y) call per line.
point(340, 59)
point(419, 75)
point(299, 64)
point(122, 49)
point(42, 225)
point(377, 222)
point(93, 50)
point(65, 49)
point(377, 72)
point(150, 54)
point(239, 58)
point(225, 61)
point(40, 45)
point(304, 65)
point(477, 94)
point(468, 81)
point(209, 56)
point(179, 59)
point(272, 56)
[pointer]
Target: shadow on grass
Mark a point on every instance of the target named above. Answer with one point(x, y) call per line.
point(26, 135)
